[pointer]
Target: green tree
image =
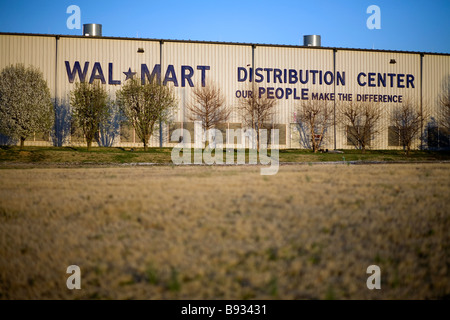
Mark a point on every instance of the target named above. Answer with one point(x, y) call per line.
point(144, 105)
point(89, 108)
point(25, 103)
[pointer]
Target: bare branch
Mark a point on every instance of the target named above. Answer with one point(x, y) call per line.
point(316, 116)
point(407, 122)
point(361, 121)
point(208, 106)
point(444, 100)
point(257, 110)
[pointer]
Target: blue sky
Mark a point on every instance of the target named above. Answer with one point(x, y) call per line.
point(405, 25)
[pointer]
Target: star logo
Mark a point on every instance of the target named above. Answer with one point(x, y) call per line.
point(129, 74)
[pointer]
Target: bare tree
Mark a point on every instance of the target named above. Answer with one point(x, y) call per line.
point(407, 119)
point(316, 116)
point(208, 106)
point(256, 110)
point(25, 103)
point(360, 119)
point(444, 100)
point(89, 108)
point(145, 105)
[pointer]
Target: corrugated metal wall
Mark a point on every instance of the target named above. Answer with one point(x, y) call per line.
point(220, 62)
point(436, 79)
point(285, 59)
point(114, 58)
point(355, 62)
point(36, 51)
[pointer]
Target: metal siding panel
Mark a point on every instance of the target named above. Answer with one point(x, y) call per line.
point(436, 78)
point(223, 61)
point(354, 62)
point(30, 50)
point(297, 59)
point(122, 54)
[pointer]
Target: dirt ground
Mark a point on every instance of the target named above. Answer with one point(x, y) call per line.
point(169, 232)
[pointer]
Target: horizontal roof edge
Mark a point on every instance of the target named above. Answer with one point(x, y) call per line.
point(221, 43)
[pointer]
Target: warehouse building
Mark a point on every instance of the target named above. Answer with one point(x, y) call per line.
point(289, 74)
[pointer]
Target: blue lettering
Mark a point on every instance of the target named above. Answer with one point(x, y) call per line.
point(362, 84)
point(293, 76)
point(277, 75)
point(270, 91)
point(400, 79)
point(382, 79)
point(288, 92)
point(279, 93)
point(100, 76)
point(305, 81)
point(203, 70)
point(186, 76)
point(331, 77)
point(305, 94)
point(76, 69)
point(371, 79)
point(145, 73)
point(410, 81)
point(110, 75)
point(268, 70)
point(391, 78)
point(313, 72)
point(261, 91)
point(170, 76)
point(258, 74)
point(239, 77)
point(340, 78)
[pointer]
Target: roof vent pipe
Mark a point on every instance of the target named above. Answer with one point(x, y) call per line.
point(92, 30)
point(311, 41)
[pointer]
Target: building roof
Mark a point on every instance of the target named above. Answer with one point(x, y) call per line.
point(222, 43)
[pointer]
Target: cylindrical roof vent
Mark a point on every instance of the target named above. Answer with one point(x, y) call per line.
point(311, 41)
point(92, 30)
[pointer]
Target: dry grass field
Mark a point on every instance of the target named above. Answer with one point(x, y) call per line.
point(168, 232)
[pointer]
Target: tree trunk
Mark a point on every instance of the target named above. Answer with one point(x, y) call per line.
point(89, 143)
point(145, 146)
point(314, 146)
point(22, 142)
